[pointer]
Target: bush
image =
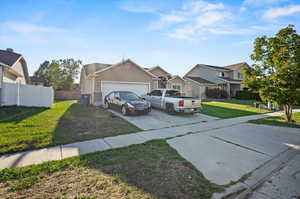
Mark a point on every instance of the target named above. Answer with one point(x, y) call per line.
point(247, 95)
point(215, 93)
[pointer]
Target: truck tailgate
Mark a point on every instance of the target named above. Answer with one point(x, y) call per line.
point(192, 103)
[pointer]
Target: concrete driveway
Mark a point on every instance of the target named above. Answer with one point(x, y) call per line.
point(226, 154)
point(157, 119)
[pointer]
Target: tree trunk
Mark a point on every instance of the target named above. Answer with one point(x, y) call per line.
point(288, 112)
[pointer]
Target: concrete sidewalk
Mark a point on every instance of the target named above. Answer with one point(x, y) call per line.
point(63, 151)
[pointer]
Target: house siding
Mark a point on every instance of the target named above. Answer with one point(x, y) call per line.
point(158, 72)
point(125, 72)
point(205, 73)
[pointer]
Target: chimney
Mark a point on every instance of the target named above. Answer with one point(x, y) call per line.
point(9, 50)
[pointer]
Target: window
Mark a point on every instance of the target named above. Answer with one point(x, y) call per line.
point(221, 74)
point(240, 75)
point(171, 93)
point(117, 95)
point(176, 87)
point(156, 93)
point(129, 96)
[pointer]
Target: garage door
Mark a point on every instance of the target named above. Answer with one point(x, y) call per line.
point(138, 88)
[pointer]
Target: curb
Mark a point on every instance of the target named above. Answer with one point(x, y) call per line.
point(243, 190)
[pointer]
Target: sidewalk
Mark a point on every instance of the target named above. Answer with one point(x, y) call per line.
point(78, 148)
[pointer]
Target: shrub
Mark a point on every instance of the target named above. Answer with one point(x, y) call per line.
point(215, 93)
point(247, 95)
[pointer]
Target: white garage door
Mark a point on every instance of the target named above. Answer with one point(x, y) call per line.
point(138, 88)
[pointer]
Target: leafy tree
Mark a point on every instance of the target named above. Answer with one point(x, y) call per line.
point(60, 74)
point(276, 72)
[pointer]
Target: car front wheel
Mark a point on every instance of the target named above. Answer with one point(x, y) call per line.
point(106, 105)
point(124, 110)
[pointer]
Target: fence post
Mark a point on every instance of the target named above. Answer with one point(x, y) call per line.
point(18, 94)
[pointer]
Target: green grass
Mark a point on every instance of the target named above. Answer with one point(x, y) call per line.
point(230, 108)
point(279, 121)
point(23, 128)
point(149, 170)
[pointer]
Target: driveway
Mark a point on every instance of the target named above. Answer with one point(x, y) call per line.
point(226, 154)
point(157, 119)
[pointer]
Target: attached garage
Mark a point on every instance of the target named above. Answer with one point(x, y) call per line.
point(124, 76)
point(140, 88)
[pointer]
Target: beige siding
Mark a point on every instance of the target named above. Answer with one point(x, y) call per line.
point(12, 78)
point(158, 72)
point(19, 68)
point(176, 81)
point(126, 72)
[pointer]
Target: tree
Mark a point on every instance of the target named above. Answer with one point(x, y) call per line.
point(60, 74)
point(276, 72)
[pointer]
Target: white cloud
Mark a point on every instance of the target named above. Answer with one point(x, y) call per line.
point(260, 2)
point(210, 18)
point(172, 18)
point(284, 11)
point(23, 27)
point(202, 6)
point(187, 22)
point(243, 9)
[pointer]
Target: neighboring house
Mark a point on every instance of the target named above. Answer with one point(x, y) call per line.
point(202, 77)
point(97, 80)
point(13, 67)
point(15, 88)
point(166, 80)
point(38, 81)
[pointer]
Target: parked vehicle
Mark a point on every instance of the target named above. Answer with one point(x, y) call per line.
point(172, 101)
point(126, 102)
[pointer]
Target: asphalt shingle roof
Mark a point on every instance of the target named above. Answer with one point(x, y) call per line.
point(8, 57)
point(214, 67)
point(200, 80)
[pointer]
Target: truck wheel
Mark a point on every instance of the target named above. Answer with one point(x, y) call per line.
point(170, 108)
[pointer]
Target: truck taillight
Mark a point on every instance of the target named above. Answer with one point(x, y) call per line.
point(181, 103)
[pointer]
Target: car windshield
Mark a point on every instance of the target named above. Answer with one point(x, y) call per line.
point(172, 93)
point(129, 96)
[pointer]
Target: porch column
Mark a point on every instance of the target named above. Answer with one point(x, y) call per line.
point(228, 90)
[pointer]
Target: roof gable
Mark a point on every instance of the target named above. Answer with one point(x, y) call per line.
point(94, 67)
point(126, 61)
point(236, 66)
point(9, 58)
point(158, 71)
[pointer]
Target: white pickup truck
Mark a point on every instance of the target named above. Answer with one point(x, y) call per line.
point(172, 101)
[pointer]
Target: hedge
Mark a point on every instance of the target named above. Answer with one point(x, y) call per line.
point(247, 95)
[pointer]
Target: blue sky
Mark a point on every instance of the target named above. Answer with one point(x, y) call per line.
point(175, 34)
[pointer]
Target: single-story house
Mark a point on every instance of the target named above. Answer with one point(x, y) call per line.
point(97, 80)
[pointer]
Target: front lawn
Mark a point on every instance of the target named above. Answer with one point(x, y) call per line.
point(230, 108)
point(23, 128)
point(149, 170)
point(279, 121)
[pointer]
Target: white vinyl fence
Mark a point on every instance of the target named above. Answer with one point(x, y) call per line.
point(26, 95)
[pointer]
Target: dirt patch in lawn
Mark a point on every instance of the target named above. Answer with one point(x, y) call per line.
point(150, 170)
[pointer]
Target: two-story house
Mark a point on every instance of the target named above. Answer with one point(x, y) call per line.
point(201, 77)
